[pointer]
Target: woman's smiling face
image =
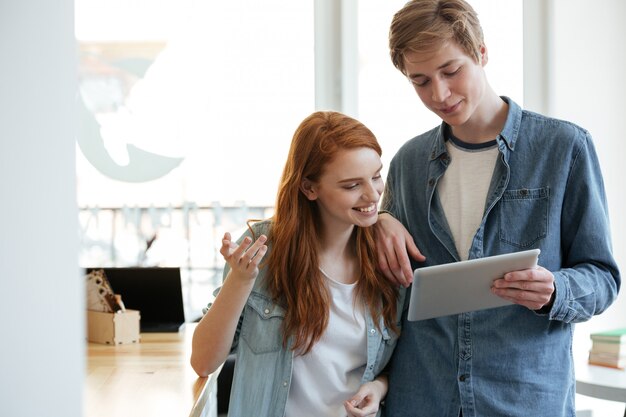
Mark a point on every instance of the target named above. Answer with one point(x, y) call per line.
point(348, 191)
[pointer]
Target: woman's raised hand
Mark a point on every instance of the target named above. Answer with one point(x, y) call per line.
point(244, 259)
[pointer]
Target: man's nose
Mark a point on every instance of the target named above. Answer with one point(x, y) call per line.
point(440, 90)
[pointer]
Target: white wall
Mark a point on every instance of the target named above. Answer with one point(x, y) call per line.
point(573, 70)
point(583, 81)
point(41, 313)
point(589, 87)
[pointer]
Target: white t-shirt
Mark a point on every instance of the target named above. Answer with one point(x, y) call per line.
point(331, 372)
point(463, 189)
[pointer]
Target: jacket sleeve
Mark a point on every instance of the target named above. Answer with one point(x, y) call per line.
point(589, 279)
point(388, 203)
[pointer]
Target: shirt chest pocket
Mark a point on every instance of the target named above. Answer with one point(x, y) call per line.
point(262, 324)
point(524, 216)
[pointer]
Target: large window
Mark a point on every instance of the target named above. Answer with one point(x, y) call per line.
point(187, 110)
point(188, 107)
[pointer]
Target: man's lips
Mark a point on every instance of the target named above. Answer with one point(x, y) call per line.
point(449, 109)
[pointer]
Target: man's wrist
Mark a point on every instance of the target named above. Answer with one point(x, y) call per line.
point(545, 309)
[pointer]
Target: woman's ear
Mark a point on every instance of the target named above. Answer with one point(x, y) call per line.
point(308, 189)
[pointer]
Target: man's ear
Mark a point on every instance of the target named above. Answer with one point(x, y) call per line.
point(484, 55)
point(308, 189)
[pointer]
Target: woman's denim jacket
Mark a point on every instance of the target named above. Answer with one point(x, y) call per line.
point(262, 374)
point(546, 192)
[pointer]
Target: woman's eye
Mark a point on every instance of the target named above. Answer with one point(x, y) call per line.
point(351, 186)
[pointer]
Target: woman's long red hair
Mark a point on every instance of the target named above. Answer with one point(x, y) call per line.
point(294, 279)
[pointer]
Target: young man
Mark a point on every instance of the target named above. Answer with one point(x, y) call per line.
point(491, 179)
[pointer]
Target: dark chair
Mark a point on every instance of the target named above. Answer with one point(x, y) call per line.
point(224, 381)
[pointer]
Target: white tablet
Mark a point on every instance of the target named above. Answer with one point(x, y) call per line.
point(463, 286)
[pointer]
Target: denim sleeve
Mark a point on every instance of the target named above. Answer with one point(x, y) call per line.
point(388, 204)
point(589, 279)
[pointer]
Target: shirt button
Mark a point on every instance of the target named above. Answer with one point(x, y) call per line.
point(266, 311)
point(462, 378)
point(373, 331)
point(284, 383)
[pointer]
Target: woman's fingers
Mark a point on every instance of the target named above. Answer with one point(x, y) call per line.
point(245, 255)
point(258, 256)
point(227, 245)
point(248, 257)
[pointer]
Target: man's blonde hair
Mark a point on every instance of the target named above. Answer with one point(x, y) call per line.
point(423, 26)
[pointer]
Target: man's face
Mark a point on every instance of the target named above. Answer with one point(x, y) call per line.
point(448, 81)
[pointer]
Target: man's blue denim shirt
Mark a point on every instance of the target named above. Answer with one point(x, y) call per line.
point(546, 192)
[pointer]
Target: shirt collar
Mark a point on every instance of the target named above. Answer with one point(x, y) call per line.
point(508, 135)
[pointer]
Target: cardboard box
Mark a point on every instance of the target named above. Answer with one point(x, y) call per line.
point(113, 328)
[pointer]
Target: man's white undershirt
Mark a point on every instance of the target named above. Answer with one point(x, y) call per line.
point(463, 189)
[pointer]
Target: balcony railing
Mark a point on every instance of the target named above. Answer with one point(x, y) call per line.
point(186, 236)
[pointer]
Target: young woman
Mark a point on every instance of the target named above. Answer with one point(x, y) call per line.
point(314, 324)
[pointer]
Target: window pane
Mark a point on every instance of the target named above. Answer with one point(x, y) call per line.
point(187, 109)
point(220, 86)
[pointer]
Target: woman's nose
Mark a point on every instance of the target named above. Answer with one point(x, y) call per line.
point(371, 193)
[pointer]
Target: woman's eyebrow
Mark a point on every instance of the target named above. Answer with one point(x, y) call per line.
point(359, 178)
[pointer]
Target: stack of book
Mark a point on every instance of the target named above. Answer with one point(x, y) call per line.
point(608, 348)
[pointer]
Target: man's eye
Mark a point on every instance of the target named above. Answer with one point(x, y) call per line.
point(452, 73)
point(420, 82)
